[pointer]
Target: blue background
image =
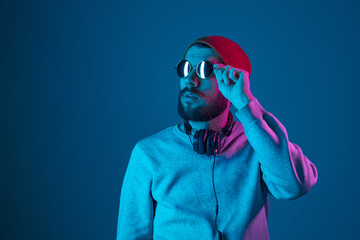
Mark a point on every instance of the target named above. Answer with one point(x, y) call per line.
point(82, 82)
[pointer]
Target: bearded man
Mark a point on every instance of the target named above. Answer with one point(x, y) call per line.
point(210, 176)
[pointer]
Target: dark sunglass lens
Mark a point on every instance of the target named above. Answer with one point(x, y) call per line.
point(183, 68)
point(205, 69)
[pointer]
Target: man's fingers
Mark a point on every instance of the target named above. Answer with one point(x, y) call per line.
point(232, 75)
point(218, 77)
point(225, 75)
point(241, 75)
point(218, 73)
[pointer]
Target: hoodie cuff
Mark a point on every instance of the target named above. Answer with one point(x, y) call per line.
point(250, 113)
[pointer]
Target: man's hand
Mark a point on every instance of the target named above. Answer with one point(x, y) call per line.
point(234, 84)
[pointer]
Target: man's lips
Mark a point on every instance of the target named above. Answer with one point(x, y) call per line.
point(192, 95)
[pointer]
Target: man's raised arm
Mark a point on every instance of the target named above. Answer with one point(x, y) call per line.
point(287, 172)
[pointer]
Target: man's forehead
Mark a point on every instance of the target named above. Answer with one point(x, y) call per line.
point(196, 54)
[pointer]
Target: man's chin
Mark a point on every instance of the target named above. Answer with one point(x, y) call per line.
point(192, 113)
point(188, 111)
point(191, 107)
point(201, 111)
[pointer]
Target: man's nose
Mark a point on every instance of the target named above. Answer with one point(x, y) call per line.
point(192, 79)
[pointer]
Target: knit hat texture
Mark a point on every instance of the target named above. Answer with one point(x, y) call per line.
point(230, 52)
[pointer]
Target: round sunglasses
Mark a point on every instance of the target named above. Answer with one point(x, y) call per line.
point(204, 69)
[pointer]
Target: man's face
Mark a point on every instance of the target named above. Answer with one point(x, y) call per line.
point(208, 101)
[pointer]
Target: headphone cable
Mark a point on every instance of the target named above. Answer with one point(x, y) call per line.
point(217, 202)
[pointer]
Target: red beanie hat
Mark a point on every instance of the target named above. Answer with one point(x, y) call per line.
point(230, 52)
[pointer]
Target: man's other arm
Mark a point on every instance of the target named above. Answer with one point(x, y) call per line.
point(136, 211)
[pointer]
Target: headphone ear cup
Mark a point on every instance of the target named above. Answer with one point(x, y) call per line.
point(217, 141)
point(210, 143)
point(207, 141)
point(196, 141)
point(202, 141)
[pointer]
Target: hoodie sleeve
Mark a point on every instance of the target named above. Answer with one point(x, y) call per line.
point(136, 211)
point(287, 172)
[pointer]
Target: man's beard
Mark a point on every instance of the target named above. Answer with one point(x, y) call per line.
point(201, 113)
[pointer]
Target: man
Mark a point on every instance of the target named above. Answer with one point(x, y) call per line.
point(209, 178)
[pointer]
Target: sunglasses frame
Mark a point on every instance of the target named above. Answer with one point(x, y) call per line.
point(195, 67)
